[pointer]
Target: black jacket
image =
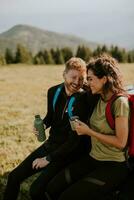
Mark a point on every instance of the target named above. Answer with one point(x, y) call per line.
point(62, 141)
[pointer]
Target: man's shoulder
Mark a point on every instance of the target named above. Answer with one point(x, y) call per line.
point(54, 88)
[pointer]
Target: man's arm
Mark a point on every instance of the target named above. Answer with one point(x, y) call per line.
point(65, 150)
point(48, 118)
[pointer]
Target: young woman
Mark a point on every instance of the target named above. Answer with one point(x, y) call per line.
point(99, 173)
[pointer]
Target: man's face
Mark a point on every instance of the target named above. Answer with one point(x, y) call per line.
point(74, 80)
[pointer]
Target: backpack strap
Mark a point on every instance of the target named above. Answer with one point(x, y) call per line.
point(56, 95)
point(108, 112)
point(70, 104)
point(131, 127)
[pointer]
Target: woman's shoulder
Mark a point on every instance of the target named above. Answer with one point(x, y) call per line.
point(122, 100)
point(121, 106)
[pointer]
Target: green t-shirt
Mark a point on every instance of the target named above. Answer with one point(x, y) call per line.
point(98, 122)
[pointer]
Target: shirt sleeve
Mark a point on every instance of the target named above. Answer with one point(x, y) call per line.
point(121, 107)
point(48, 118)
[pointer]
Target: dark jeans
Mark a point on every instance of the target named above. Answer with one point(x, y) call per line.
point(87, 179)
point(24, 170)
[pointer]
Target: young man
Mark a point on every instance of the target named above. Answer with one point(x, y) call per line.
point(63, 144)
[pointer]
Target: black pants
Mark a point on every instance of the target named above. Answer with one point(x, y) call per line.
point(127, 188)
point(87, 179)
point(24, 170)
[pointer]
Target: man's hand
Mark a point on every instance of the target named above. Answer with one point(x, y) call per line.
point(40, 163)
point(35, 132)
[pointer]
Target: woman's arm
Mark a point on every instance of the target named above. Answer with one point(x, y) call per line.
point(118, 140)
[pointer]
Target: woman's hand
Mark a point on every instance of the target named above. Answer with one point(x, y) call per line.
point(39, 163)
point(118, 140)
point(81, 128)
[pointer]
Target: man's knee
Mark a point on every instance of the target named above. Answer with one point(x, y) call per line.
point(34, 193)
point(58, 184)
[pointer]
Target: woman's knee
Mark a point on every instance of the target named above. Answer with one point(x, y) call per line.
point(82, 190)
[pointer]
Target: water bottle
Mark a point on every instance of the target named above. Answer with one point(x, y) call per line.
point(39, 125)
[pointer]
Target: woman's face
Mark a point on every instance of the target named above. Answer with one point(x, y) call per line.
point(96, 84)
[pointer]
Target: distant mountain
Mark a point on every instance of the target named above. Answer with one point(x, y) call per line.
point(36, 39)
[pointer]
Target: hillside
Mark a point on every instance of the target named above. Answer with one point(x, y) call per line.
point(36, 39)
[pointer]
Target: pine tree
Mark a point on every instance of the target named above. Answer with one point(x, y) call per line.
point(131, 56)
point(88, 54)
point(67, 53)
point(23, 55)
point(116, 53)
point(58, 57)
point(53, 53)
point(48, 57)
point(2, 60)
point(97, 51)
point(78, 52)
point(39, 58)
point(9, 56)
point(84, 53)
point(104, 49)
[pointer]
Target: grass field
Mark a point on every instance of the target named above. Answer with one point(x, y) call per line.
point(23, 92)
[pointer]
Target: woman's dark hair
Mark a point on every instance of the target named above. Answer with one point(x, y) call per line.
point(105, 65)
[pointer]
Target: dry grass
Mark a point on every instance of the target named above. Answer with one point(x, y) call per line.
point(128, 73)
point(23, 92)
point(22, 95)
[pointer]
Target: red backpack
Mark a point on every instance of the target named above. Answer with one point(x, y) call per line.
point(111, 121)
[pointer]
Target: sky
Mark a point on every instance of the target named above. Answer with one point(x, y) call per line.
point(104, 21)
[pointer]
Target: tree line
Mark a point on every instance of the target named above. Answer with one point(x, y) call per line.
point(60, 56)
